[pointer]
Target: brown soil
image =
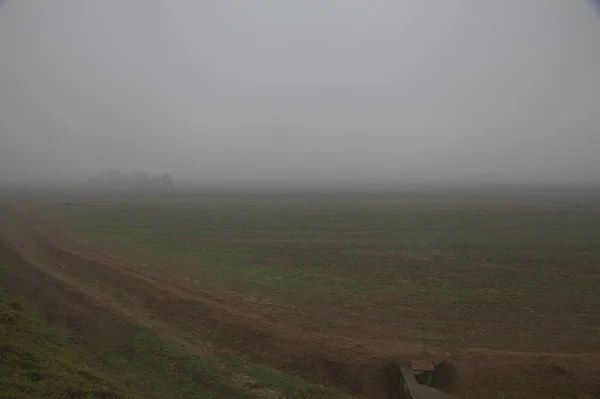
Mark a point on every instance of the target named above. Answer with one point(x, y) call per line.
point(96, 294)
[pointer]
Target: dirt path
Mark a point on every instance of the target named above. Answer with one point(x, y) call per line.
point(97, 283)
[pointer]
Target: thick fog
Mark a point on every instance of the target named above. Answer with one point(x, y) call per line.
point(293, 91)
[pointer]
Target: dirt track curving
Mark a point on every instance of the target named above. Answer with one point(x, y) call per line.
point(92, 292)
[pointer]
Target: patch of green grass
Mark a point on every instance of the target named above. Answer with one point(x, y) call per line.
point(171, 372)
point(290, 386)
point(37, 361)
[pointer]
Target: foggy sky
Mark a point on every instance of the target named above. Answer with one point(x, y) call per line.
point(327, 90)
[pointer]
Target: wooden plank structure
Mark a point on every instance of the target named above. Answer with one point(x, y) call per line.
point(416, 381)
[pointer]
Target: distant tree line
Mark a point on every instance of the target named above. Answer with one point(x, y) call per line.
point(135, 179)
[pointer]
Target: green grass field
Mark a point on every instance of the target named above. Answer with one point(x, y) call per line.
point(461, 269)
point(38, 361)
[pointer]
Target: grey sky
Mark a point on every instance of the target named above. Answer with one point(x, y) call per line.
point(396, 90)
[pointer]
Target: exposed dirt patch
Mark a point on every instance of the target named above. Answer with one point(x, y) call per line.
point(65, 304)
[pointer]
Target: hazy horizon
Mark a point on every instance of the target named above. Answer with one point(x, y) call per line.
point(350, 92)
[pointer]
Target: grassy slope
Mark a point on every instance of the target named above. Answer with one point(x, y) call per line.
point(37, 361)
point(170, 372)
